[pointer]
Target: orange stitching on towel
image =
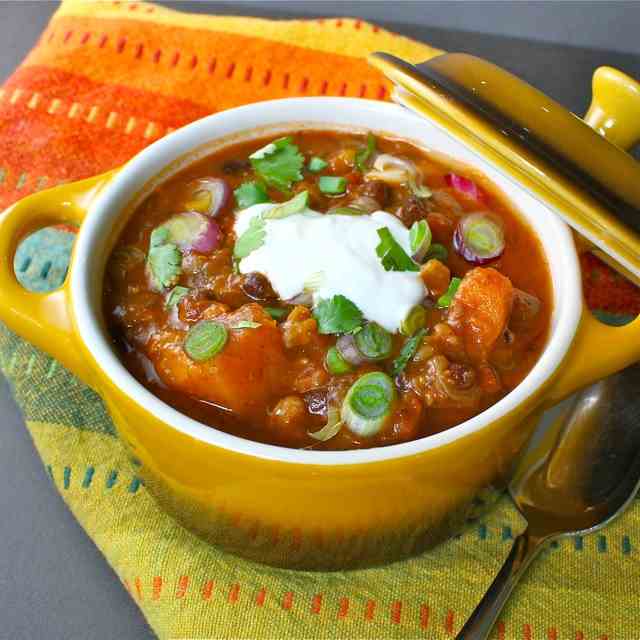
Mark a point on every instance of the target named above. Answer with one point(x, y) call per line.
point(122, 42)
point(396, 612)
point(343, 88)
point(285, 81)
point(233, 593)
point(156, 56)
point(338, 23)
point(358, 24)
point(449, 622)
point(194, 61)
point(33, 102)
point(262, 594)
point(287, 600)
point(93, 112)
point(500, 626)
point(67, 36)
point(74, 109)
point(138, 584)
point(230, 70)
point(248, 73)
point(296, 539)
point(526, 632)
point(175, 59)
point(212, 65)
point(51, 36)
point(304, 84)
point(207, 589)
point(54, 106)
point(103, 40)
point(579, 635)
point(15, 96)
point(127, 586)
point(344, 608)
point(316, 603)
point(552, 634)
point(267, 78)
point(131, 125)
point(253, 530)
point(183, 585)
point(382, 92)
point(157, 588)
point(363, 90)
point(150, 9)
point(375, 28)
point(323, 87)
point(85, 37)
point(139, 51)
point(424, 616)
point(370, 609)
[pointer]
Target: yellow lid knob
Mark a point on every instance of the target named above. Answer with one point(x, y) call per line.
point(615, 107)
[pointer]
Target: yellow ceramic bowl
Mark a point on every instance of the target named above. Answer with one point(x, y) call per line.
point(289, 507)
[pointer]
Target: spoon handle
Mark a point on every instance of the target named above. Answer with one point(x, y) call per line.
point(479, 625)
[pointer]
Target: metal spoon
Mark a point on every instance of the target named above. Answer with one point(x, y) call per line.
point(573, 484)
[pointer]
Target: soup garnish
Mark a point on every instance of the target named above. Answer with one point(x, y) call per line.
point(328, 290)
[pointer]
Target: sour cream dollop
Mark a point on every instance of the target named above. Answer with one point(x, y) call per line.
point(337, 254)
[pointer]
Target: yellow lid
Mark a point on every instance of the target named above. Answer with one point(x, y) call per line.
point(579, 168)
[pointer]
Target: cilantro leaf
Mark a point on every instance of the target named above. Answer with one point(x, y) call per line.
point(364, 154)
point(279, 164)
point(250, 193)
point(164, 264)
point(407, 352)
point(392, 255)
point(251, 239)
point(337, 315)
point(175, 295)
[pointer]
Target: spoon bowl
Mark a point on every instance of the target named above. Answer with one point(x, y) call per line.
point(585, 472)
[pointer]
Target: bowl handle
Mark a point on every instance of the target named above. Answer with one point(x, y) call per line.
point(598, 351)
point(44, 319)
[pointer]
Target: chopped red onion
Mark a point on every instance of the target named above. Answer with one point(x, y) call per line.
point(194, 231)
point(346, 345)
point(479, 238)
point(208, 196)
point(466, 186)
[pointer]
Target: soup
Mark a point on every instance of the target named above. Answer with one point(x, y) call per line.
point(328, 290)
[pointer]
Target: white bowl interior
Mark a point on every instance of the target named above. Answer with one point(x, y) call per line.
point(170, 154)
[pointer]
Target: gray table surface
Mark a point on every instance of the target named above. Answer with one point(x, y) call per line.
point(54, 583)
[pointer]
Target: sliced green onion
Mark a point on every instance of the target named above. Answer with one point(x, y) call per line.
point(246, 324)
point(267, 150)
point(331, 429)
point(297, 204)
point(407, 352)
point(479, 238)
point(317, 164)
point(419, 239)
point(332, 185)
point(347, 211)
point(205, 340)
point(365, 154)
point(416, 319)
point(276, 313)
point(175, 295)
point(437, 252)
point(313, 282)
point(250, 193)
point(445, 299)
point(336, 364)
point(418, 190)
point(374, 342)
point(392, 255)
point(368, 403)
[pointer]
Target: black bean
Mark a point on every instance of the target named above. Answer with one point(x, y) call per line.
point(257, 287)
